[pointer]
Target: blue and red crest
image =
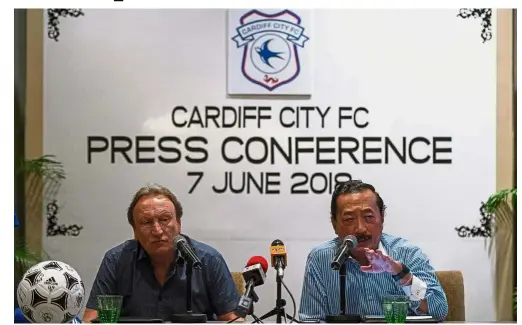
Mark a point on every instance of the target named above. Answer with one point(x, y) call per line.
point(271, 44)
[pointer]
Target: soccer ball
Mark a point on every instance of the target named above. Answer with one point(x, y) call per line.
point(50, 292)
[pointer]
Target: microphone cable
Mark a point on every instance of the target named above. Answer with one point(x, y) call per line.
point(293, 301)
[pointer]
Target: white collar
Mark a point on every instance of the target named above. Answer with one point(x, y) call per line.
point(381, 247)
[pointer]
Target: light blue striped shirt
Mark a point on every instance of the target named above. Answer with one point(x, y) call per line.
point(364, 291)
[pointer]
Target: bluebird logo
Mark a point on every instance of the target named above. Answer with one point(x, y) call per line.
point(270, 44)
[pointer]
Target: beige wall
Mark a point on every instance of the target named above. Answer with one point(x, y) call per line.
point(34, 115)
point(505, 132)
point(34, 121)
point(505, 157)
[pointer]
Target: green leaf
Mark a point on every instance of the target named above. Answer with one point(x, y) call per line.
point(46, 167)
point(499, 205)
point(24, 257)
point(502, 196)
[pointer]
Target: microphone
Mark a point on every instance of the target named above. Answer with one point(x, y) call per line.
point(278, 256)
point(254, 274)
point(349, 242)
point(187, 251)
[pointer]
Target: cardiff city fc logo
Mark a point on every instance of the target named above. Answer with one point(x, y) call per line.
point(270, 45)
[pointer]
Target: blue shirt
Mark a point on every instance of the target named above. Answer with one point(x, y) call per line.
point(364, 291)
point(126, 270)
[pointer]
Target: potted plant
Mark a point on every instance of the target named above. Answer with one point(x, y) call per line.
point(503, 206)
point(43, 176)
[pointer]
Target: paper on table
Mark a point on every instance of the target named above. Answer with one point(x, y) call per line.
point(407, 317)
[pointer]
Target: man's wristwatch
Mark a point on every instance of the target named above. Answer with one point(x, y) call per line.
point(401, 274)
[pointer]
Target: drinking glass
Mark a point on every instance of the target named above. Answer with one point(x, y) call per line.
point(109, 308)
point(395, 308)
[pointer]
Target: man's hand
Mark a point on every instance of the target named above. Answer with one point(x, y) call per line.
point(380, 262)
point(230, 317)
point(89, 315)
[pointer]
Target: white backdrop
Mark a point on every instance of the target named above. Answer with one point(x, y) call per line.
point(419, 73)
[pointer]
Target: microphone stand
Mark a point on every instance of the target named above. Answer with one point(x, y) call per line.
point(279, 309)
point(189, 316)
point(343, 317)
point(255, 298)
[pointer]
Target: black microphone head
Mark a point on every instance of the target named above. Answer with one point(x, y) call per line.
point(277, 242)
point(343, 251)
point(350, 240)
point(179, 240)
point(187, 251)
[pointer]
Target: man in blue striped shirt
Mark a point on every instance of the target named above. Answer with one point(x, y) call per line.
point(380, 265)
